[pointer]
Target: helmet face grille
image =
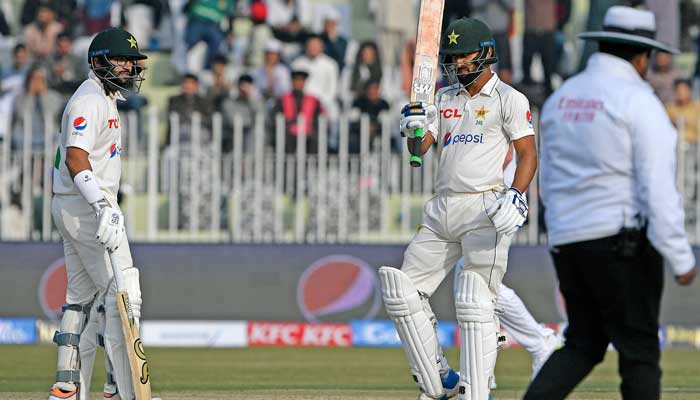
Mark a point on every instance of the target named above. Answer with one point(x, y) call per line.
point(459, 72)
point(114, 82)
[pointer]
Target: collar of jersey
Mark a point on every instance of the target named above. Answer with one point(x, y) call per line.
point(114, 96)
point(608, 64)
point(487, 89)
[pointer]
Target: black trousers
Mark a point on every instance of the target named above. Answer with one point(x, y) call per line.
point(541, 43)
point(503, 51)
point(610, 298)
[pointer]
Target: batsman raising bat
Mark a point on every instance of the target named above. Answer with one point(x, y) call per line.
point(473, 122)
point(85, 210)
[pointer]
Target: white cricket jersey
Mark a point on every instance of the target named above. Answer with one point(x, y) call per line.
point(91, 122)
point(607, 154)
point(473, 135)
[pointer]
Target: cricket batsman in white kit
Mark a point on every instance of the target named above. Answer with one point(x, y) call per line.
point(85, 210)
point(473, 122)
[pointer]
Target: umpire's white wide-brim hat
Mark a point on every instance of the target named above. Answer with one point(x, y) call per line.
point(630, 26)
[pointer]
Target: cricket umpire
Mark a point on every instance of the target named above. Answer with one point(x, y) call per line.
point(613, 212)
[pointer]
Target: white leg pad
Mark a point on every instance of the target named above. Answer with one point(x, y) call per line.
point(110, 385)
point(478, 334)
point(88, 349)
point(115, 347)
point(68, 339)
point(416, 329)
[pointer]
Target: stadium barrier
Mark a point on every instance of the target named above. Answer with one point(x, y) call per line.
point(221, 179)
point(231, 179)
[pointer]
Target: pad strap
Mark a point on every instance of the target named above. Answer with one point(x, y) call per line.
point(66, 339)
point(77, 307)
point(70, 376)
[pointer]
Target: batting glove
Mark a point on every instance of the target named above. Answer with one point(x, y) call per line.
point(133, 288)
point(416, 115)
point(110, 229)
point(509, 212)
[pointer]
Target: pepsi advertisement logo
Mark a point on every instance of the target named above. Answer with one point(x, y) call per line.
point(463, 138)
point(338, 287)
point(114, 150)
point(52, 289)
point(80, 123)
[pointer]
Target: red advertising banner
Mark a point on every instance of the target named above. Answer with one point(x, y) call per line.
point(298, 334)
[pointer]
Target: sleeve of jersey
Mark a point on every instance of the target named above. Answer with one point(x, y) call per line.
point(82, 124)
point(517, 119)
point(654, 149)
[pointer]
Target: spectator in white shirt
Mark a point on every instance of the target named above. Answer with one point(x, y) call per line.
point(323, 74)
point(281, 13)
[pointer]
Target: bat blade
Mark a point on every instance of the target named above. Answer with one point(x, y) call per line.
point(134, 349)
point(425, 65)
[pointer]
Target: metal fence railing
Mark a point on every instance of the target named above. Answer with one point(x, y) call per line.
point(354, 185)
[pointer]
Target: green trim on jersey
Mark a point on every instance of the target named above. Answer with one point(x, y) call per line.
point(57, 160)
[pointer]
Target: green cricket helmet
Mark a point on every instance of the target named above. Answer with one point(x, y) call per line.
point(107, 51)
point(465, 36)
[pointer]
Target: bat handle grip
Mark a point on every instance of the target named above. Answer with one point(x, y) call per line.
point(416, 160)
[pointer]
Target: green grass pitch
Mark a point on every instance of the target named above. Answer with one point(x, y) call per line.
point(26, 372)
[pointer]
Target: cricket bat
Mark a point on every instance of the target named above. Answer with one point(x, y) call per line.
point(425, 65)
point(132, 338)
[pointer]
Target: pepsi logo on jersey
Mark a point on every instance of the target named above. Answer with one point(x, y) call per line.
point(80, 123)
point(114, 150)
point(462, 138)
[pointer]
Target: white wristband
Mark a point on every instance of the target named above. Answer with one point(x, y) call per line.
point(87, 185)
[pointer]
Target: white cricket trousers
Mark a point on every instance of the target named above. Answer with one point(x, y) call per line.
point(89, 274)
point(456, 225)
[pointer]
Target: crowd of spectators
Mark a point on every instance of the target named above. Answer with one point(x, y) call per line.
point(251, 60)
point(294, 57)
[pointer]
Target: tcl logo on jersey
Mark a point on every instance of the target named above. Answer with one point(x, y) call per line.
point(113, 123)
point(80, 123)
point(114, 150)
point(298, 334)
point(451, 113)
point(462, 138)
